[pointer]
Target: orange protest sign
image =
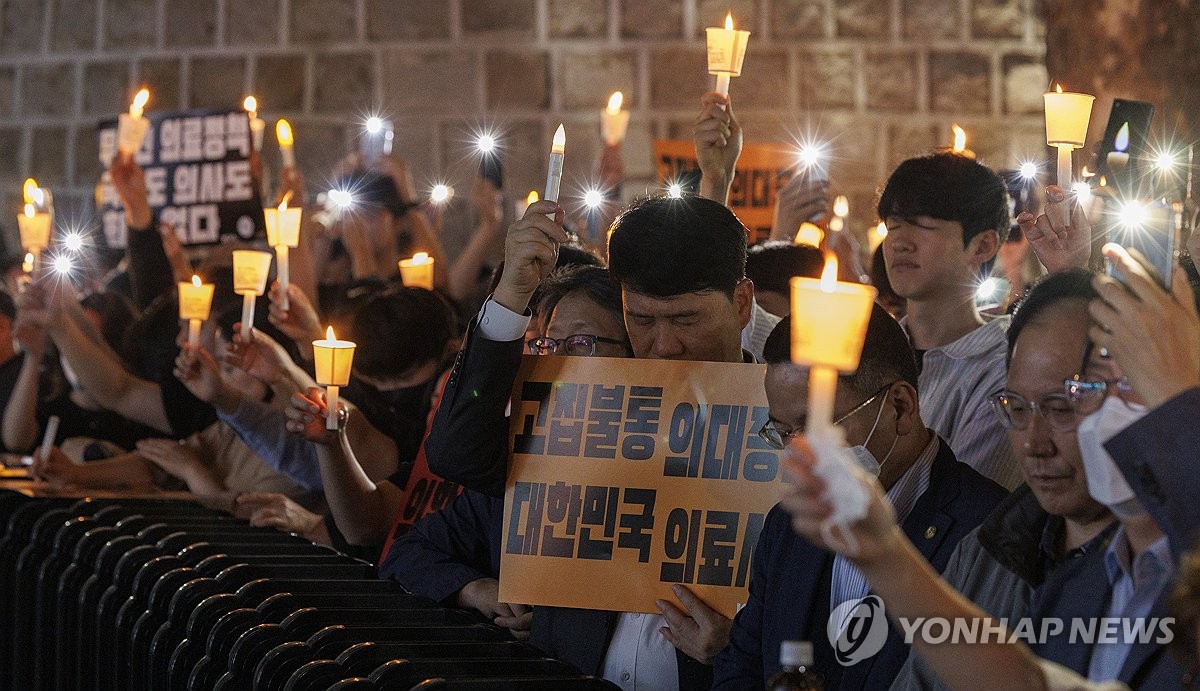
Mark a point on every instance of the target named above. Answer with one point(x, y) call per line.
point(634, 475)
point(761, 171)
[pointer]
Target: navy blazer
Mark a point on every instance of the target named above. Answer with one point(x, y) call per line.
point(790, 584)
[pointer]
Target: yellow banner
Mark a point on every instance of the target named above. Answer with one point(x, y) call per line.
point(629, 476)
point(761, 171)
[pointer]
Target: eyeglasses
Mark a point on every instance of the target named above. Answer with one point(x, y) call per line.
point(1016, 411)
point(778, 439)
point(579, 345)
point(1087, 395)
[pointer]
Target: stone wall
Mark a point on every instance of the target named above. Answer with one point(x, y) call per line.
point(882, 79)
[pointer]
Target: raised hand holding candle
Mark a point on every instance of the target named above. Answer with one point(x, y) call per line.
point(258, 126)
point(283, 232)
point(195, 303)
point(558, 150)
point(283, 132)
point(417, 272)
point(829, 323)
point(1067, 116)
point(332, 360)
point(250, 271)
point(726, 51)
point(131, 126)
point(614, 121)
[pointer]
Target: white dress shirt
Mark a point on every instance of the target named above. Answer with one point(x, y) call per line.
point(638, 657)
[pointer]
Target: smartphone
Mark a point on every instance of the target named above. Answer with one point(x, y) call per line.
point(375, 142)
point(1156, 239)
point(1137, 115)
point(491, 169)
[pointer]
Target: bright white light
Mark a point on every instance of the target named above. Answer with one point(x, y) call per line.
point(675, 190)
point(811, 154)
point(486, 143)
point(593, 198)
point(73, 241)
point(440, 193)
point(986, 289)
point(1083, 192)
point(61, 264)
point(1165, 161)
point(374, 124)
point(1133, 214)
point(342, 199)
point(1029, 170)
point(836, 224)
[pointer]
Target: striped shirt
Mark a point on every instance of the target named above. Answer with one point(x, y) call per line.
point(754, 334)
point(955, 383)
point(848, 582)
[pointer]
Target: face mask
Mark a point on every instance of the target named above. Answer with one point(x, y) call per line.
point(865, 458)
point(1105, 482)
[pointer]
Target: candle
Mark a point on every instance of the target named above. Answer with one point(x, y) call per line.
point(726, 51)
point(195, 302)
point(554, 174)
point(131, 126)
point(417, 272)
point(250, 271)
point(614, 121)
point(283, 232)
point(841, 206)
point(1118, 159)
point(27, 265)
point(1067, 116)
point(960, 143)
point(283, 132)
point(332, 359)
point(829, 323)
point(258, 126)
point(34, 228)
point(809, 234)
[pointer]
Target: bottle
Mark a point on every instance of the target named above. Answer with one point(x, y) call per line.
point(796, 658)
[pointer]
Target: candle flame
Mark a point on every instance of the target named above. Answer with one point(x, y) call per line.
point(1058, 88)
point(1121, 141)
point(614, 103)
point(29, 211)
point(421, 258)
point(195, 280)
point(329, 333)
point(1086, 173)
point(139, 103)
point(27, 265)
point(881, 230)
point(560, 140)
point(30, 191)
point(283, 132)
point(532, 198)
point(283, 203)
point(841, 206)
point(829, 275)
point(250, 104)
point(729, 21)
point(960, 139)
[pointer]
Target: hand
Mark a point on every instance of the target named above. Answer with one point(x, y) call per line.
point(612, 167)
point(530, 251)
point(483, 595)
point(804, 198)
point(55, 468)
point(291, 182)
point(1059, 247)
point(274, 510)
point(299, 321)
point(180, 269)
point(1154, 337)
point(718, 138)
point(130, 183)
point(487, 201)
point(397, 169)
point(29, 328)
point(306, 417)
point(845, 245)
point(178, 459)
point(201, 374)
point(261, 358)
point(877, 532)
point(698, 630)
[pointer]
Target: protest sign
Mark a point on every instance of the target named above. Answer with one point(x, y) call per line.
point(198, 177)
point(629, 476)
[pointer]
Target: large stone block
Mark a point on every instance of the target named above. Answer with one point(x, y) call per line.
point(21, 22)
point(191, 22)
point(252, 22)
point(713, 12)
point(891, 77)
point(130, 23)
point(999, 18)
point(652, 19)
point(437, 82)
point(161, 76)
point(87, 157)
point(764, 82)
point(319, 147)
point(526, 150)
point(279, 82)
point(511, 17)
point(960, 82)
point(344, 83)
point(1025, 78)
point(321, 21)
point(863, 18)
point(217, 82)
point(74, 25)
point(48, 89)
point(518, 79)
point(48, 155)
point(586, 79)
point(908, 140)
point(798, 18)
point(678, 77)
point(10, 164)
point(924, 20)
point(388, 20)
point(8, 80)
point(414, 144)
point(578, 18)
point(856, 149)
point(827, 79)
point(105, 85)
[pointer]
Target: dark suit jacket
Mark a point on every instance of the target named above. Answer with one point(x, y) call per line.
point(790, 584)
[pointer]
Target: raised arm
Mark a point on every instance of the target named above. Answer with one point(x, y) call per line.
point(718, 139)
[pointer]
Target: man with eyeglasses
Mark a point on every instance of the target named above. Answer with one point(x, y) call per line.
point(795, 585)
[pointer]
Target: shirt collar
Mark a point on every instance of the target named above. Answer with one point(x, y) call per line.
point(977, 342)
point(912, 484)
point(1153, 565)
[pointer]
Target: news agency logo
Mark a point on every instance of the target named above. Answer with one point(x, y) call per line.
point(857, 629)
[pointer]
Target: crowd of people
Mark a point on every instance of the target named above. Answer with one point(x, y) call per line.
point(1025, 463)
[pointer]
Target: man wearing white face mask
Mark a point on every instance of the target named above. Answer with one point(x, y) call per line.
point(794, 584)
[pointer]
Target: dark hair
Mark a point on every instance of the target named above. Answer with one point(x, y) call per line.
point(772, 264)
point(665, 247)
point(594, 281)
point(400, 329)
point(887, 355)
point(1073, 284)
point(372, 191)
point(949, 187)
point(569, 254)
point(879, 277)
point(116, 315)
point(7, 307)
